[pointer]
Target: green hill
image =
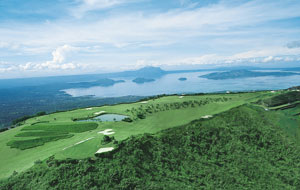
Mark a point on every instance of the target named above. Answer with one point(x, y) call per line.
point(238, 149)
point(204, 141)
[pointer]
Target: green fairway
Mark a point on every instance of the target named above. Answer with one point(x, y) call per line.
point(60, 135)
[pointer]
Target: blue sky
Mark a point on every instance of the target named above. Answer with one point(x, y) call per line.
point(62, 37)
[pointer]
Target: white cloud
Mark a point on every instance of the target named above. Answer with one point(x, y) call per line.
point(219, 33)
point(58, 62)
point(91, 5)
point(59, 55)
point(268, 59)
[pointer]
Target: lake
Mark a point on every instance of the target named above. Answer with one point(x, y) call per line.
point(169, 84)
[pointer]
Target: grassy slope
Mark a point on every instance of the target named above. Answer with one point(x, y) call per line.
point(20, 160)
point(242, 148)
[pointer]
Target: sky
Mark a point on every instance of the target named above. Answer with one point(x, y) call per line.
point(66, 37)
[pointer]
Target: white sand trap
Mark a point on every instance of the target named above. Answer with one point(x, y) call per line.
point(144, 102)
point(206, 116)
point(272, 91)
point(98, 113)
point(181, 97)
point(88, 108)
point(101, 150)
point(107, 132)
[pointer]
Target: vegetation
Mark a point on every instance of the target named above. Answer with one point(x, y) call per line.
point(285, 98)
point(127, 119)
point(238, 149)
point(143, 110)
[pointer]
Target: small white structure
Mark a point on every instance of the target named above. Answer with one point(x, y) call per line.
point(101, 150)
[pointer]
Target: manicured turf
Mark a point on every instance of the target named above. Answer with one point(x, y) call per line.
point(67, 127)
point(39, 133)
point(13, 159)
point(31, 143)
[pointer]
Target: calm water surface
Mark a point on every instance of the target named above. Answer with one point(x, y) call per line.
point(169, 84)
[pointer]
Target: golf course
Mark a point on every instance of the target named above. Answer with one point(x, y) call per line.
point(85, 133)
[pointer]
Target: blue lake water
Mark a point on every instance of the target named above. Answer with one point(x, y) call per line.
point(169, 84)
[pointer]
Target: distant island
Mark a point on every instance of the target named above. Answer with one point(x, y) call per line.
point(142, 80)
point(182, 79)
point(234, 74)
point(100, 82)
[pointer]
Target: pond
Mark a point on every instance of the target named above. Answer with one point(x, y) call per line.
point(107, 117)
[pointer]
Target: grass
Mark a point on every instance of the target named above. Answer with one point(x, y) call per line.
point(31, 143)
point(47, 132)
point(39, 133)
point(66, 127)
point(242, 148)
point(37, 128)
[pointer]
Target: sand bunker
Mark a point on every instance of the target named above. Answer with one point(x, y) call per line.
point(181, 96)
point(206, 116)
point(98, 113)
point(101, 150)
point(107, 132)
point(144, 102)
point(88, 108)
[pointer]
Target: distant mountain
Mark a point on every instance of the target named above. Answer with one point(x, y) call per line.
point(147, 72)
point(234, 74)
point(142, 80)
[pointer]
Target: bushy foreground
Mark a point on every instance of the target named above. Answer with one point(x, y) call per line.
point(238, 149)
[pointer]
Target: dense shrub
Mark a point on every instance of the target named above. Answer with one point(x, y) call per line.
point(284, 98)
